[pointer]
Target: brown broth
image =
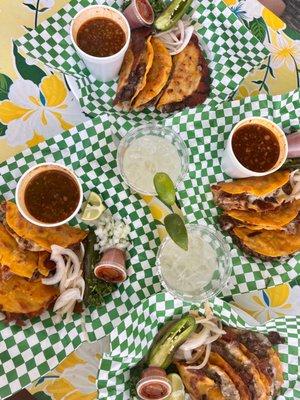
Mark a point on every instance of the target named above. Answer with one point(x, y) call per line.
point(51, 196)
point(256, 147)
point(100, 37)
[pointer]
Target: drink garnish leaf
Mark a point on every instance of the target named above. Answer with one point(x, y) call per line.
point(165, 188)
point(177, 231)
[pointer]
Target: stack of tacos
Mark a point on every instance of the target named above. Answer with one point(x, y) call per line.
point(151, 76)
point(242, 365)
point(25, 259)
point(260, 214)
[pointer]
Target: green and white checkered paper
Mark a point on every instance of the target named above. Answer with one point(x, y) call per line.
point(205, 135)
point(29, 352)
point(131, 341)
point(90, 150)
point(232, 52)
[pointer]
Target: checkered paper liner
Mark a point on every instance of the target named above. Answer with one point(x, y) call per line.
point(205, 135)
point(232, 51)
point(29, 352)
point(131, 341)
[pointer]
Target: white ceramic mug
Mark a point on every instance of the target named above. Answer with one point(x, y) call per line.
point(230, 164)
point(102, 68)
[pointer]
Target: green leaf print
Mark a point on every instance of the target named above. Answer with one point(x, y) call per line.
point(31, 6)
point(2, 129)
point(258, 28)
point(5, 83)
point(29, 72)
point(41, 396)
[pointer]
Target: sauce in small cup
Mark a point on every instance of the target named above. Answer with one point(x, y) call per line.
point(139, 13)
point(49, 195)
point(255, 147)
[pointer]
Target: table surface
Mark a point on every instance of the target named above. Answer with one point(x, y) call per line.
point(30, 115)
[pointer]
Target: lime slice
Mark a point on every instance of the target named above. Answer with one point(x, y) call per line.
point(178, 392)
point(93, 208)
point(164, 187)
point(177, 231)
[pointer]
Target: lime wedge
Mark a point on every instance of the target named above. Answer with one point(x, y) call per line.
point(93, 208)
point(178, 392)
point(176, 230)
point(164, 187)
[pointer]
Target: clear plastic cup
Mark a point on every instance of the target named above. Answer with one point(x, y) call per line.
point(214, 279)
point(146, 173)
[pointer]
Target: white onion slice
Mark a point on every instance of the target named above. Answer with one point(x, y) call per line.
point(62, 285)
point(177, 38)
point(205, 360)
point(187, 354)
point(2, 316)
point(59, 272)
point(195, 340)
point(66, 297)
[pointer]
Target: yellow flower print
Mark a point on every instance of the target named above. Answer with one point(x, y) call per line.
point(244, 92)
point(272, 20)
point(34, 112)
point(270, 303)
point(230, 3)
point(284, 51)
point(62, 389)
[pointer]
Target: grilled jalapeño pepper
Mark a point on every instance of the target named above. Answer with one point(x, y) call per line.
point(172, 14)
point(162, 352)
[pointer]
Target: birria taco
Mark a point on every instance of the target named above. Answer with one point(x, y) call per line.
point(267, 244)
point(189, 83)
point(285, 218)
point(259, 194)
point(157, 76)
point(136, 65)
point(34, 238)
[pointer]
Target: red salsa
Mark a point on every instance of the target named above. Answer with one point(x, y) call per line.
point(256, 147)
point(100, 37)
point(51, 196)
point(145, 10)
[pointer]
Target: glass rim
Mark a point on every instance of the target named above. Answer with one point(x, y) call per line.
point(158, 128)
point(206, 295)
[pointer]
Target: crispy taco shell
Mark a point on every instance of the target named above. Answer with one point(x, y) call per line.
point(270, 220)
point(136, 64)
point(258, 193)
point(21, 262)
point(242, 388)
point(189, 83)
point(243, 366)
point(63, 235)
point(157, 76)
point(197, 384)
point(268, 243)
point(256, 186)
point(28, 298)
point(263, 355)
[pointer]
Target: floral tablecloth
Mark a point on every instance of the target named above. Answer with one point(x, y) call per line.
point(36, 104)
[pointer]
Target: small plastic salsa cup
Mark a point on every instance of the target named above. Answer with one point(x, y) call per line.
point(139, 13)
